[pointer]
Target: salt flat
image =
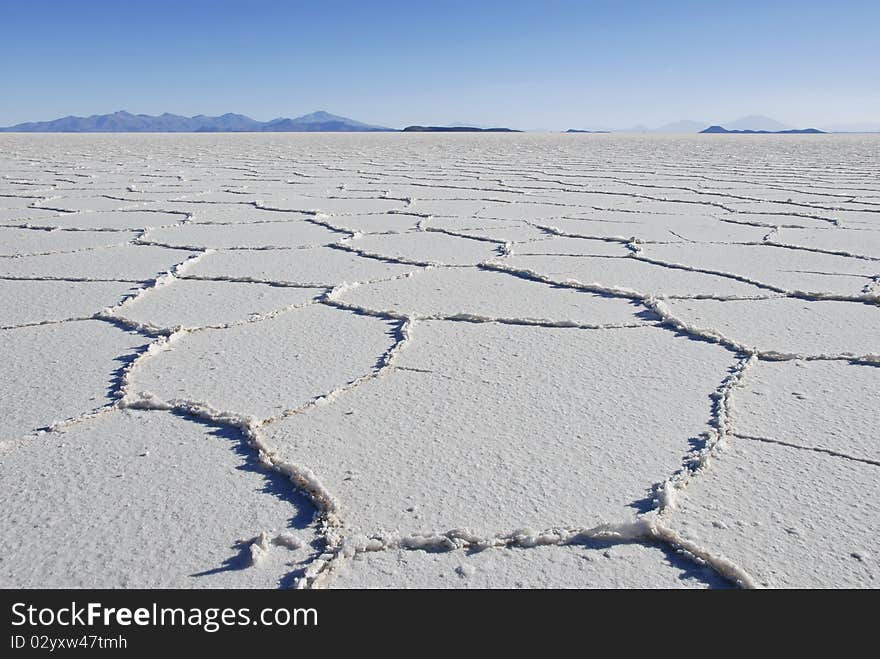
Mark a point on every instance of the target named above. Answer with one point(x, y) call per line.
point(420, 360)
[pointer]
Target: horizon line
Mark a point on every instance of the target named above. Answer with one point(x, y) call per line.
point(849, 127)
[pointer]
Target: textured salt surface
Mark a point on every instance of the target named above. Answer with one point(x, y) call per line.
point(266, 368)
point(829, 406)
point(113, 503)
point(787, 326)
point(270, 235)
point(194, 303)
point(660, 227)
point(487, 294)
point(107, 220)
point(321, 266)
point(126, 263)
point(427, 248)
point(449, 460)
point(790, 518)
point(22, 242)
point(568, 246)
point(35, 301)
point(785, 269)
point(53, 372)
point(573, 566)
point(629, 274)
point(439, 361)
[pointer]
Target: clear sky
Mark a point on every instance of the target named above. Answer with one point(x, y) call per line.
point(526, 64)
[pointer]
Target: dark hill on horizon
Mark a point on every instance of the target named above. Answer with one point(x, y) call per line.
point(125, 122)
point(457, 129)
point(792, 131)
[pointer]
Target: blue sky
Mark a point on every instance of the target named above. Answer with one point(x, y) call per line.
point(544, 64)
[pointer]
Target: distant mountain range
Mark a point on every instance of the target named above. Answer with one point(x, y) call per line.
point(789, 131)
point(750, 123)
point(757, 122)
point(125, 122)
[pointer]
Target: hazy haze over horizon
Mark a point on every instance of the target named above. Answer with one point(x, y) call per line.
point(549, 65)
